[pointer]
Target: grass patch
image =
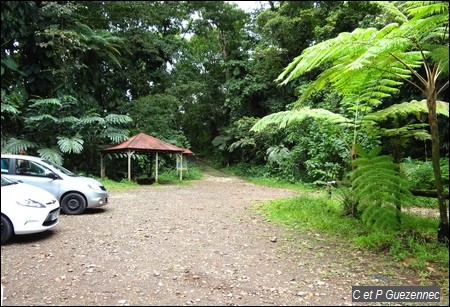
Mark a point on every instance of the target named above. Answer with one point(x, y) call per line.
point(117, 185)
point(165, 177)
point(415, 245)
point(256, 178)
point(172, 177)
point(312, 212)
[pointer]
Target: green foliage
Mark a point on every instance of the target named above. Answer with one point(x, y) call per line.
point(113, 185)
point(414, 107)
point(69, 145)
point(415, 242)
point(239, 143)
point(367, 66)
point(348, 201)
point(420, 173)
point(379, 189)
point(286, 118)
point(316, 140)
point(51, 154)
point(54, 130)
point(14, 145)
point(9, 104)
point(170, 176)
point(277, 154)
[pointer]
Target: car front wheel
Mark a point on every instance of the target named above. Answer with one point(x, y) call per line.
point(7, 229)
point(73, 203)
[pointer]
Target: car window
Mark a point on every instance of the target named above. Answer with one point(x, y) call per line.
point(5, 165)
point(29, 168)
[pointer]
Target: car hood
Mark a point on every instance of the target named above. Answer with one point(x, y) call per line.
point(91, 181)
point(26, 191)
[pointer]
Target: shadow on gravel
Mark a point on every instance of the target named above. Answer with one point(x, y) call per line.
point(34, 238)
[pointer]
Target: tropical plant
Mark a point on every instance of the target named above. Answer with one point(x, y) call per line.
point(51, 129)
point(369, 65)
point(379, 189)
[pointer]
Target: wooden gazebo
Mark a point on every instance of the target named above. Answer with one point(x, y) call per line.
point(143, 144)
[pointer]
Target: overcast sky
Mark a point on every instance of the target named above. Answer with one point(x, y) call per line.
point(248, 5)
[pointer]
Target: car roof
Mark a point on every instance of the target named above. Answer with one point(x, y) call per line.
point(34, 158)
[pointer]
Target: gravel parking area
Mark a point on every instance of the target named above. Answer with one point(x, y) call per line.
point(199, 244)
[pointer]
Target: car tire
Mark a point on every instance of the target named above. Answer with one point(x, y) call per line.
point(73, 203)
point(7, 229)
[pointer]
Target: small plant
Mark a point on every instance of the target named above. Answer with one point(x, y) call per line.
point(379, 189)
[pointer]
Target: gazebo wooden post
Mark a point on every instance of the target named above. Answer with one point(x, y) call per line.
point(181, 168)
point(156, 167)
point(129, 153)
point(102, 167)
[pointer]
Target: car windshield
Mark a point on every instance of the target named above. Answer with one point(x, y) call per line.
point(60, 168)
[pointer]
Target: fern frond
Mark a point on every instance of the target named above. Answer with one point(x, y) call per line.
point(423, 9)
point(417, 131)
point(379, 187)
point(115, 135)
point(286, 118)
point(243, 142)
point(51, 154)
point(68, 145)
point(379, 217)
point(40, 118)
point(88, 120)
point(68, 120)
point(54, 102)
point(277, 153)
point(14, 145)
point(391, 9)
point(7, 108)
point(118, 119)
point(413, 107)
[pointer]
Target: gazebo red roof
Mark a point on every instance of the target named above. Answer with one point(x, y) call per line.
point(144, 143)
point(187, 152)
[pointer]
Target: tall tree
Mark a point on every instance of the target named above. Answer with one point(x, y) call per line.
point(367, 65)
point(51, 65)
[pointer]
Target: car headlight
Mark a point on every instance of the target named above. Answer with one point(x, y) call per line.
point(95, 187)
point(30, 203)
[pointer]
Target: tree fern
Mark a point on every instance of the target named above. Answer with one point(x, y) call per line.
point(14, 145)
point(69, 145)
point(241, 143)
point(417, 108)
point(379, 189)
point(357, 65)
point(53, 102)
point(118, 119)
point(51, 154)
point(92, 119)
point(286, 118)
point(114, 135)
point(9, 104)
point(277, 154)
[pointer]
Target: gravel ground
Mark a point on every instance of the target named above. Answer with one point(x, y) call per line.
point(199, 244)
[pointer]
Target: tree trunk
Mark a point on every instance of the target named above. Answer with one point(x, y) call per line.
point(435, 157)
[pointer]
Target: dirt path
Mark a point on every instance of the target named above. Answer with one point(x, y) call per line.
point(201, 244)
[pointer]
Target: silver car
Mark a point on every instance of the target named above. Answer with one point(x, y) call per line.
point(75, 193)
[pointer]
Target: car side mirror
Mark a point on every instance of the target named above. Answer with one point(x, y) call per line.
point(52, 175)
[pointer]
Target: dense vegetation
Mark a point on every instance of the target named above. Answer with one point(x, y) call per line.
point(305, 91)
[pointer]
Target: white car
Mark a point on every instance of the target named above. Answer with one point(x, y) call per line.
point(26, 209)
point(74, 193)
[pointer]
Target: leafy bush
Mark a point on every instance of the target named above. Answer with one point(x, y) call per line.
point(420, 173)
